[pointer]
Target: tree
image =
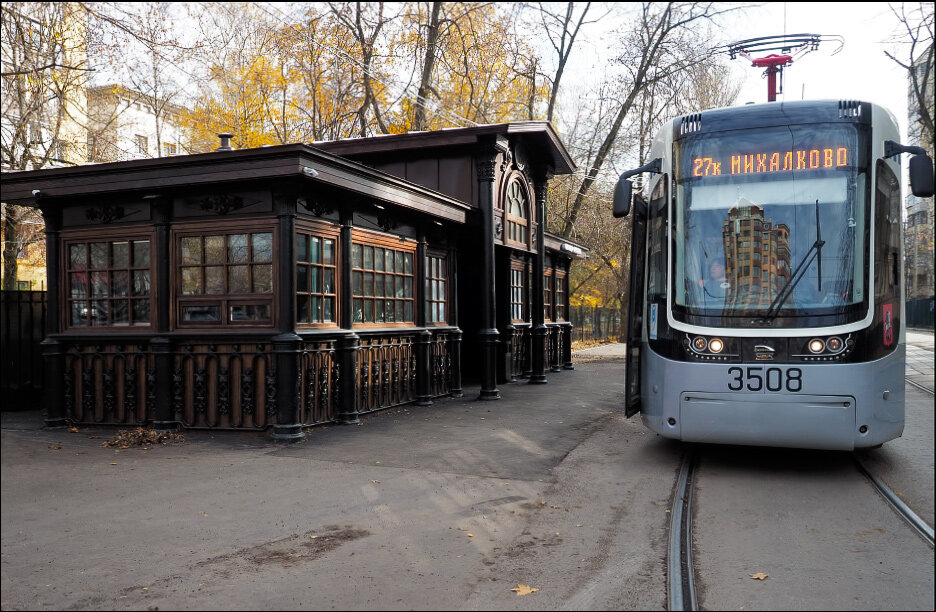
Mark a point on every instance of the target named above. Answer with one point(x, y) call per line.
point(916, 39)
point(44, 71)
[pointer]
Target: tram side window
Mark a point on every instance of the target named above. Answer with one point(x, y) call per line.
point(887, 231)
point(657, 213)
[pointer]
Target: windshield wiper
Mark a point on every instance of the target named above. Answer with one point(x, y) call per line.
point(798, 274)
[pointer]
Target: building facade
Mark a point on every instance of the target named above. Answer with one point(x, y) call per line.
point(277, 288)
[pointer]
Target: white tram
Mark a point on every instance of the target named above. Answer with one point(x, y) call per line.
point(765, 303)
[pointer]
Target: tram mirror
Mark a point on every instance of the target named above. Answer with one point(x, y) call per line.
point(921, 176)
point(622, 198)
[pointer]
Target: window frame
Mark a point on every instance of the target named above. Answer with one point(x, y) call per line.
point(519, 270)
point(330, 232)
point(548, 301)
point(513, 222)
point(428, 301)
point(105, 235)
point(224, 300)
point(560, 289)
point(365, 239)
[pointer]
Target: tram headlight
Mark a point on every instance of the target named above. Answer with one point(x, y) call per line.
point(816, 346)
point(716, 345)
point(699, 343)
point(834, 344)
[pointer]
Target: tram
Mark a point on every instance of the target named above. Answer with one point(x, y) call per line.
point(766, 289)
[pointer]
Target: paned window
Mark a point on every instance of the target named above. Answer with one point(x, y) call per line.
point(226, 279)
point(108, 283)
point(141, 143)
point(517, 222)
point(547, 296)
point(436, 289)
point(518, 293)
point(316, 279)
point(561, 281)
point(382, 284)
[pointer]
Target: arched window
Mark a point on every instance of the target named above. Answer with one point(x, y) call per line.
point(517, 221)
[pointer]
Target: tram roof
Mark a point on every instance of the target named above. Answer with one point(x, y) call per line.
point(774, 114)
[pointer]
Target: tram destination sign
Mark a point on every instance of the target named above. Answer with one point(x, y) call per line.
point(766, 162)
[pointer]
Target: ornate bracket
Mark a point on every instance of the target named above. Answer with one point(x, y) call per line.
point(315, 207)
point(498, 228)
point(486, 169)
point(220, 204)
point(106, 214)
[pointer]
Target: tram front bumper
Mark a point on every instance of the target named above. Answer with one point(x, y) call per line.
point(798, 421)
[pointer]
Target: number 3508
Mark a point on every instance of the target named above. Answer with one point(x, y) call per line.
point(769, 379)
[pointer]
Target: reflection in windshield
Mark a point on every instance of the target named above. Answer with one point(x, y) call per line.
point(740, 236)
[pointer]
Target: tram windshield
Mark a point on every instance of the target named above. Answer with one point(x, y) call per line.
point(771, 223)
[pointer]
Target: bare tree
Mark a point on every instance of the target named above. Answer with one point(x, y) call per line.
point(916, 39)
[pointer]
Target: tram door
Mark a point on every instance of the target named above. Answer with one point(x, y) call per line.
point(635, 307)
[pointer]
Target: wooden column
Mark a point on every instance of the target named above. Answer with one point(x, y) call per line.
point(541, 178)
point(164, 411)
point(488, 336)
point(287, 346)
point(423, 338)
point(346, 371)
point(53, 351)
point(456, 336)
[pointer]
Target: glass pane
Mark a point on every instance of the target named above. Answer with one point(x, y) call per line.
point(314, 283)
point(99, 284)
point(214, 280)
point(328, 251)
point(368, 311)
point(380, 291)
point(329, 315)
point(408, 311)
point(368, 258)
point(399, 261)
point(98, 254)
point(399, 286)
point(408, 263)
point(357, 255)
point(251, 312)
point(192, 281)
point(358, 310)
point(302, 247)
point(120, 284)
point(328, 286)
point(99, 310)
point(191, 250)
point(388, 310)
point(302, 279)
point(120, 314)
point(237, 280)
point(441, 317)
point(79, 314)
point(141, 282)
point(141, 254)
point(380, 311)
point(379, 260)
point(316, 253)
point(357, 283)
point(262, 247)
point(141, 312)
point(263, 278)
point(316, 309)
point(369, 283)
point(237, 248)
point(399, 312)
point(214, 249)
point(202, 313)
point(121, 254)
point(78, 256)
point(302, 309)
point(79, 284)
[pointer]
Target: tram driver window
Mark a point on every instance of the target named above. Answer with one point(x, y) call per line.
point(656, 243)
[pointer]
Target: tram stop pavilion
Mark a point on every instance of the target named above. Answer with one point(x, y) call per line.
point(286, 286)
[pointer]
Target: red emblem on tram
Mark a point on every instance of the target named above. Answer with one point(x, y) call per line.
point(887, 312)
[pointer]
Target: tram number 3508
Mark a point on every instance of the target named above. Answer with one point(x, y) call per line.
point(765, 379)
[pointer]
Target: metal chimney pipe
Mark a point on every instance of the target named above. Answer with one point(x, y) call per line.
point(225, 141)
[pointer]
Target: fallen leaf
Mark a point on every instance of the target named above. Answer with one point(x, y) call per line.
point(56, 447)
point(758, 576)
point(470, 535)
point(523, 589)
point(113, 464)
point(376, 481)
point(72, 430)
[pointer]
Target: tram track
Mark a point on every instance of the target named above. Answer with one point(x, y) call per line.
point(680, 571)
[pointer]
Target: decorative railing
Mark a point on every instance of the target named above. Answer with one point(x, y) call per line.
point(386, 371)
point(108, 384)
point(224, 386)
point(320, 379)
point(440, 364)
point(520, 352)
